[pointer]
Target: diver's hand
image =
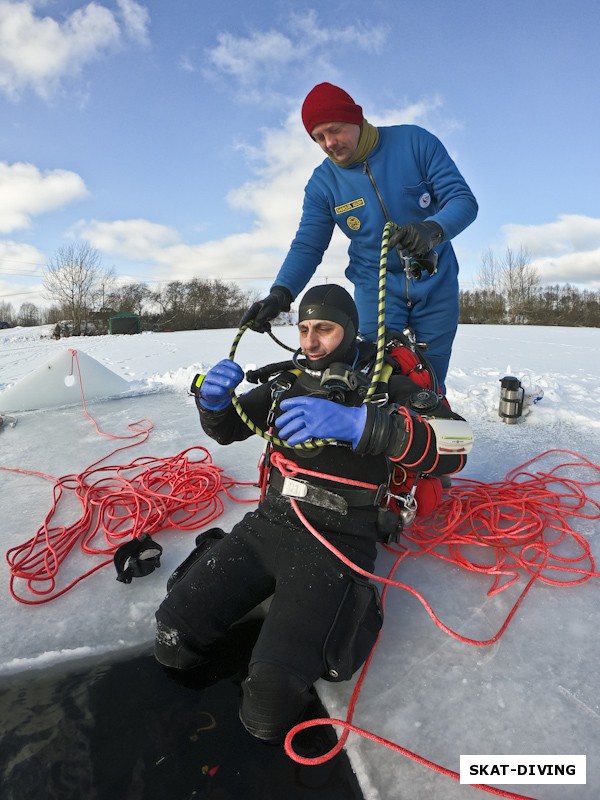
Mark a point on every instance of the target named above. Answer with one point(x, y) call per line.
point(417, 238)
point(219, 382)
point(307, 418)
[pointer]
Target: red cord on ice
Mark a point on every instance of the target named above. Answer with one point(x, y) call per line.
point(118, 503)
point(522, 522)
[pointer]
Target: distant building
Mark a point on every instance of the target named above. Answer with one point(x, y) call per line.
point(125, 322)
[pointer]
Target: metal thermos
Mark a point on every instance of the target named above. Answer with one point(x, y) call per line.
point(511, 399)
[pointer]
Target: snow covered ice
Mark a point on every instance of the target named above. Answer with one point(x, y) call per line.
point(535, 691)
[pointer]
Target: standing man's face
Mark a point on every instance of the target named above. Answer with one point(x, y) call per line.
point(338, 139)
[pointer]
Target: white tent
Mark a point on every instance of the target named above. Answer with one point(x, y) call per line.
point(61, 382)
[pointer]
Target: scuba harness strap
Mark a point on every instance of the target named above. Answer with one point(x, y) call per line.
point(397, 501)
point(280, 385)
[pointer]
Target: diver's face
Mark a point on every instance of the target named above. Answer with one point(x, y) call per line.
point(319, 337)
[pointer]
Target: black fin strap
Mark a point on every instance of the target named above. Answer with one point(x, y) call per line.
point(137, 558)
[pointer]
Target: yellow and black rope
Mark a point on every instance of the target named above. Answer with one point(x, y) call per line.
point(378, 367)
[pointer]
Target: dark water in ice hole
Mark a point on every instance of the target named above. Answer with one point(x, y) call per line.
point(126, 730)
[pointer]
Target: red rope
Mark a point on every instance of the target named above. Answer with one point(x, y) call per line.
point(349, 728)
point(521, 524)
point(521, 521)
point(498, 518)
point(511, 519)
point(117, 503)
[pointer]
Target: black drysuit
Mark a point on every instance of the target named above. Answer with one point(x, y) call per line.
point(323, 618)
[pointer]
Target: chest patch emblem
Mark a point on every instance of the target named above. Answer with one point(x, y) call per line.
point(350, 206)
point(353, 223)
point(425, 200)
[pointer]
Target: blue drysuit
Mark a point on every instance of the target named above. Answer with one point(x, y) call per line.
point(416, 180)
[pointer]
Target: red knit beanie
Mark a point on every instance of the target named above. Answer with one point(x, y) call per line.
point(329, 103)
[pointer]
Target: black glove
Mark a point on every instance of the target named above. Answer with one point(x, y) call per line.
point(263, 311)
point(417, 238)
point(416, 265)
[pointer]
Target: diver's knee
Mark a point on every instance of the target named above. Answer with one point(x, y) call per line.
point(172, 650)
point(273, 701)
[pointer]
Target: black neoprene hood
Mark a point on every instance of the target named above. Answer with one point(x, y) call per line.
point(333, 303)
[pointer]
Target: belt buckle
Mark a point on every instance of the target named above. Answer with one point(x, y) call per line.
point(294, 487)
point(382, 491)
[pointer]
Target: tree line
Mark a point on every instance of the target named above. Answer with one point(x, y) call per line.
point(507, 291)
point(86, 295)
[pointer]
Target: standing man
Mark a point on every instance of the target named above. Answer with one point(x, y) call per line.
point(324, 617)
point(401, 174)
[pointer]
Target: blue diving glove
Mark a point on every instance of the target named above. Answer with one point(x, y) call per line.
point(307, 418)
point(218, 384)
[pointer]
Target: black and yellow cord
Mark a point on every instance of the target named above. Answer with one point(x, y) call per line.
point(379, 367)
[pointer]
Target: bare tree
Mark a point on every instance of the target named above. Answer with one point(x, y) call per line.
point(75, 279)
point(7, 311)
point(130, 297)
point(488, 277)
point(519, 281)
point(199, 303)
point(508, 286)
point(28, 315)
point(487, 303)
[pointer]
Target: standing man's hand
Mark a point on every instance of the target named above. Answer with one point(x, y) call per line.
point(417, 238)
point(263, 311)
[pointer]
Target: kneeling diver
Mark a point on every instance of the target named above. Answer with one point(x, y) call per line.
point(323, 618)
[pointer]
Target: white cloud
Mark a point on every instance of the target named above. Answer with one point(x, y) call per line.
point(18, 258)
point(38, 52)
point(17, 293)
point(21, 268)
point(306, 25)
point(578, 268)
point(245, 59)
point(135, 239)
point(25, 191)
point(254, 62)
point(186, 63)
point(136, 20)
point(564, 251)
point(282, 164)
point(570, 232)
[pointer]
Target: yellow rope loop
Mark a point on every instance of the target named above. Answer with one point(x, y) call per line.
point(380, 353)
point(310, 445)
point(377, 368)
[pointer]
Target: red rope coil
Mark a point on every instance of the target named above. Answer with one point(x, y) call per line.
point(521, 521)
point(119, 503)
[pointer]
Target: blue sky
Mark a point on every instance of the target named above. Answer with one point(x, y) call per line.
point(168, 135)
